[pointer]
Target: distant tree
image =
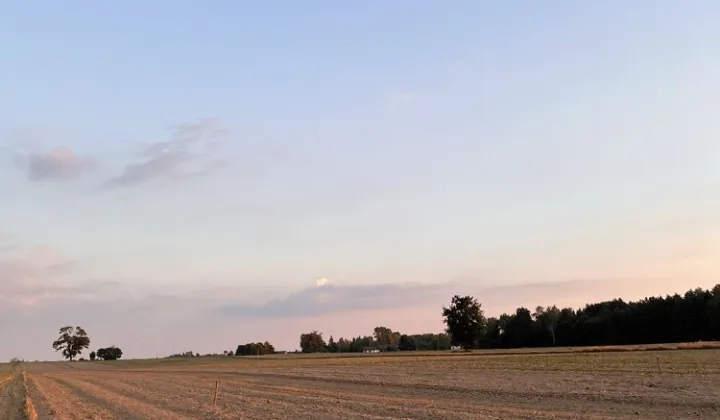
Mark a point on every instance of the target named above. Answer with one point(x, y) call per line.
point(93, 355)
point(15, 363)
point(312, 342)
point(254, 349)
point(383, 335)
point(492, 333)
point(72, 341)
point(332, 346)
point(519, 329)
point(406, 343)
point(395, 339)
point(713, 313)
point(548, 318)
point(464, 321)
point(109, 353)
point(230, 353)
point(344, 345)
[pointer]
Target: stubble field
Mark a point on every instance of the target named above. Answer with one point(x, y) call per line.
point(677, 384)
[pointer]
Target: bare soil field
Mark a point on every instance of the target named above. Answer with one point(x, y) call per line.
point(634, 384)
point(12, 396)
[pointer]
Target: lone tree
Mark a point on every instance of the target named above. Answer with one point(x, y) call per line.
point(464, 321)
point(72, 341)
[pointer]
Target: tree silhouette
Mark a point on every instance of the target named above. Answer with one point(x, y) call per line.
point(548, 319)
point(254, 349)
point(312, 342)
point(464, 321)
point(109, 353)
point(72, 341)
point(382, 335)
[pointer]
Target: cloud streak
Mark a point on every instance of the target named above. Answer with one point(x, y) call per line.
point(325, 298)
point(328, 299)
point(190, 151)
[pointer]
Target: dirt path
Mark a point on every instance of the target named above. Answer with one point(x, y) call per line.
point(12, 399)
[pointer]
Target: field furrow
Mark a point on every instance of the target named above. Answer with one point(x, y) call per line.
point(193, 400)
point(126, 407)
point(356, 404)
point(12, 399)
point(194, 396)
point(54, 400)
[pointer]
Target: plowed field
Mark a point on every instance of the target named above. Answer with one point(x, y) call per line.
point(623, 385)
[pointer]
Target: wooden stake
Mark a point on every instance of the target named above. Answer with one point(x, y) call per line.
point(658, 365)
point(217, 385)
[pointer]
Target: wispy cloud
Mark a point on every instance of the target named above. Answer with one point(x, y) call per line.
point(191, 150)
point(326, 298)
point(60, 163)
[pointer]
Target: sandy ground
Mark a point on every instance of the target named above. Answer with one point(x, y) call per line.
point(681, 385)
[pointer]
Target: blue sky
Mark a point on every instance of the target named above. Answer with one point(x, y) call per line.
point(185, 157)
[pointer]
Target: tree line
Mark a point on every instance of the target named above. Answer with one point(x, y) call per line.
point(382, 339)
point(693, 316)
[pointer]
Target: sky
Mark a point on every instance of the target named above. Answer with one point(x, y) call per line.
point(196, 175)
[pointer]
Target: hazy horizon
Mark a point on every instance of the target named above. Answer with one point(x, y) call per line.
point(177, 176)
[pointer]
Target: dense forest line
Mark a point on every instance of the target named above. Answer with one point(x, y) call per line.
point(693, 316)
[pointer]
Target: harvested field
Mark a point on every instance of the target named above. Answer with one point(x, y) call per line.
point(12, 397)
point(648, 384)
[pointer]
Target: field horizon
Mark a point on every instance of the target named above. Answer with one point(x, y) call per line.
point(663, 381)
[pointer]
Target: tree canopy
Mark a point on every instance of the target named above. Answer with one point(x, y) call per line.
point(464, 321)
point(72, 341)
point(693, 316)
point(254, 349)
point(312, 342)
point(109, 353)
